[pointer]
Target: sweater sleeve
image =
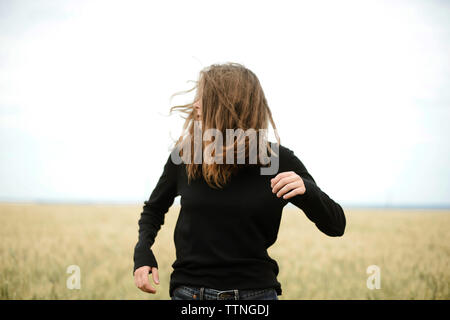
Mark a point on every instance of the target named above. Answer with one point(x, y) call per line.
point(326, 214)
point(152, 215)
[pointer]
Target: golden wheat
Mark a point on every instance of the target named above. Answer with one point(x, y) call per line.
point(39, 242)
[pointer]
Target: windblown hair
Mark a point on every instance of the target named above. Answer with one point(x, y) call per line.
point(232, 98)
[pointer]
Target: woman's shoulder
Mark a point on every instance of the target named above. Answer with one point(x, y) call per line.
point(287, 158)
point(281, 150)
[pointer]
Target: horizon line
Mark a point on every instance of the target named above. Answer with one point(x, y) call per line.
point(111, 202)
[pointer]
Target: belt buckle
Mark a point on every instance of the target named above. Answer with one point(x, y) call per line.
point(226, 295)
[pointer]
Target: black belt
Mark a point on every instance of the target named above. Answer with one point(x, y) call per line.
point(222, 295)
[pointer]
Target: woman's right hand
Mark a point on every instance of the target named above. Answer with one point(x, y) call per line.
point(142, 281)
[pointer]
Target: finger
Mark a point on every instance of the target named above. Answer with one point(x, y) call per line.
point(293, 193)
point(155, 275)
point(279, 176)
point(138, 279)
point(136, 282)
point(148, 288)
point(144, 284)
point(143, 278)
point(293, 177)
point(281, 183)
point(288, 187)
point(140, 275)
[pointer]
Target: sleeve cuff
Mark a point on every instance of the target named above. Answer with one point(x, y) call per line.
point(144, 258)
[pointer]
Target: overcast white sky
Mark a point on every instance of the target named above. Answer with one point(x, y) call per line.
point(358, 89)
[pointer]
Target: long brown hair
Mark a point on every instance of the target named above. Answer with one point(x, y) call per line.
point(231, 97)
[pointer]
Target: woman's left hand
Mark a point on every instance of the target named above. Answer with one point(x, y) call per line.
point(287, 184)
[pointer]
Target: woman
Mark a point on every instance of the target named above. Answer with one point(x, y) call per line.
point(230, 210)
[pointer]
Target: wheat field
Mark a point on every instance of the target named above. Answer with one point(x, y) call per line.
point(411, 247)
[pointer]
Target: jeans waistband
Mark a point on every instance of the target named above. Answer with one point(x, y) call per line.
point(213, 294)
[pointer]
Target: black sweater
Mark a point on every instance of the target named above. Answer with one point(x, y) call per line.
point(222, 235)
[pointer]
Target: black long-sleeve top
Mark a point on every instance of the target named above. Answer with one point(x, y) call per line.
point(222, 235)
